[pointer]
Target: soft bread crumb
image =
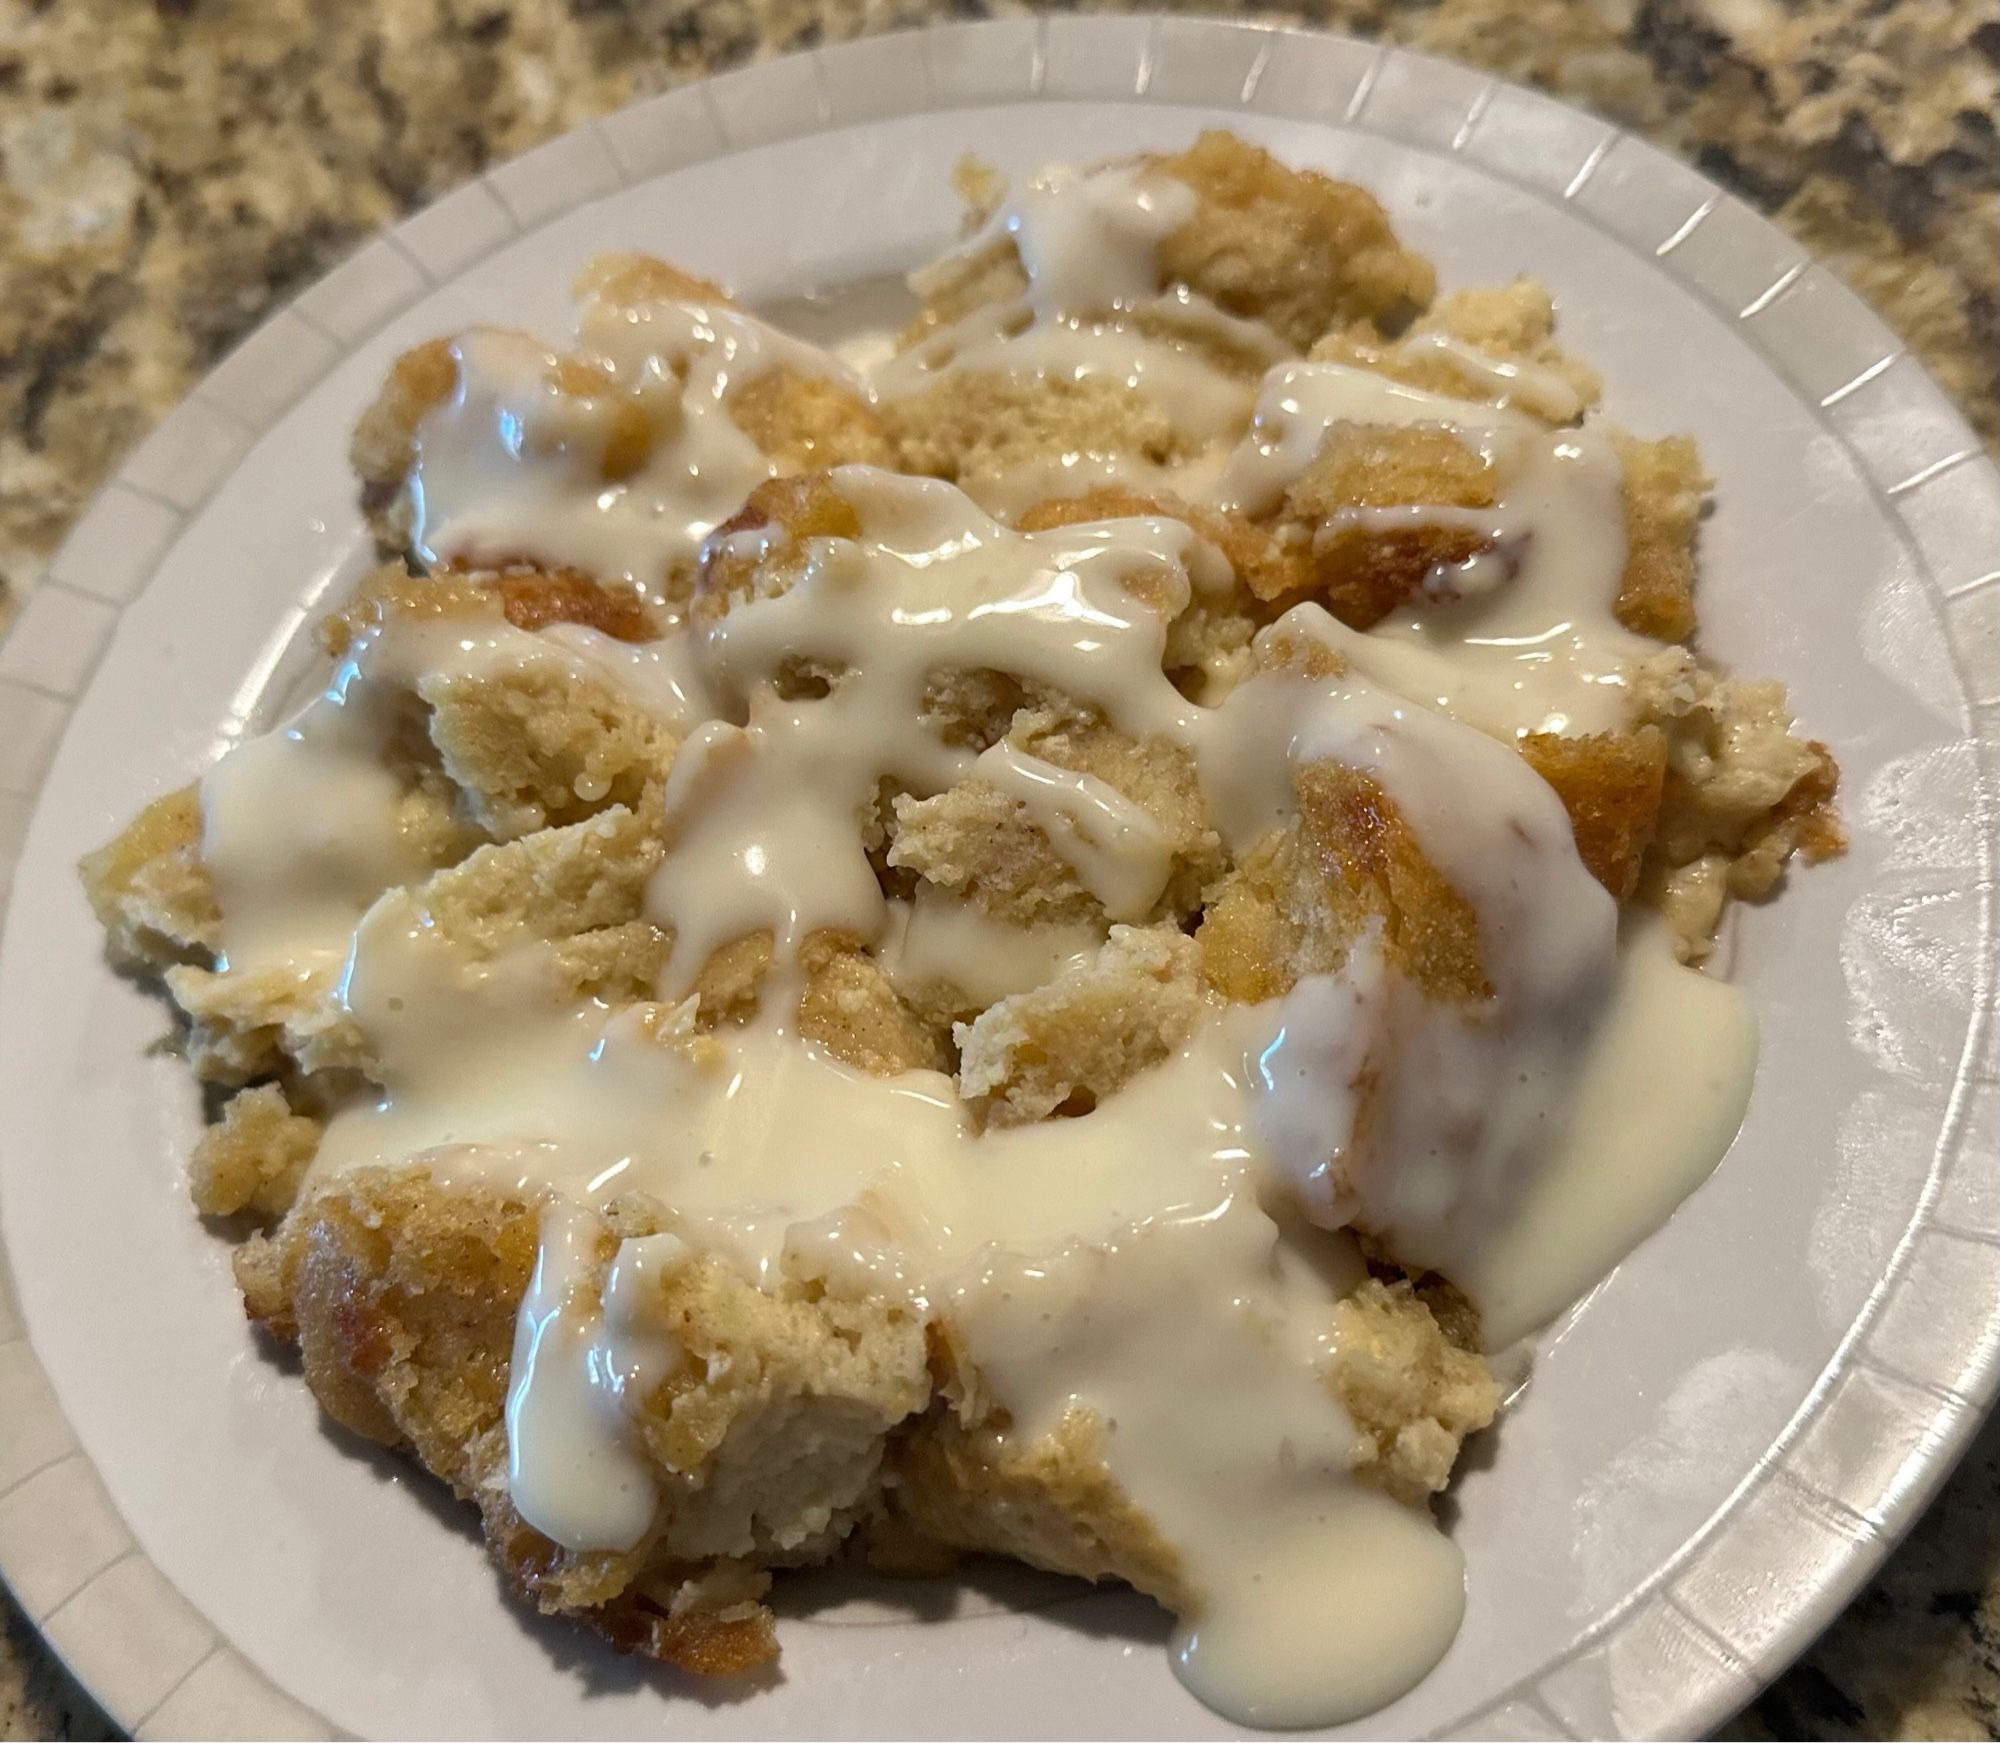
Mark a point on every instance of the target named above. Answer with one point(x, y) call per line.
point(959, 1478)
point(254, 1157)
point(766, 1441)
point(1742, 793)
point(1511, 323)
point(803, 422)
point(1080, 1037)
point(979, 843)
point(1412, 1392)
point(150, 891)
point(975, 428)
point(580, 890)
point(249, 1023)
point(541, 745)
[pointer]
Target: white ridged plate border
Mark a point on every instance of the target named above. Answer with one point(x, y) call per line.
point(1879, 1427)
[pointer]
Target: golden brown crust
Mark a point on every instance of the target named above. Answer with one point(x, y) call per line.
point(1267, 566)
point(1663, 492)
point(795, 508)
point(808, 421)
point(633, 280)
point(530, 596)
point(1297, 903)
point(1294, 249)
point(150, 891)
point(384, 446)
point(1363, 565)
point(1610, 784)
point(400, 1290)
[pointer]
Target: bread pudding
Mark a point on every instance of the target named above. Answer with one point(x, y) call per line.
point(1036, 951)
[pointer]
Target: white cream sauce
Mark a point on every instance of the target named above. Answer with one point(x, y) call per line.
point(936, 940)
point(1546, 392)
point(1094, 309)
point(1539, 651)
point(581, 1351)
point(304, 827)
point(513, 467)
point(1169, 1261)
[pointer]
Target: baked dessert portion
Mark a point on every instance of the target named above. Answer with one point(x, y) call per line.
point(971, 960)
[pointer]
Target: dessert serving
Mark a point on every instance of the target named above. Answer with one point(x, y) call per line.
point(1030, 940)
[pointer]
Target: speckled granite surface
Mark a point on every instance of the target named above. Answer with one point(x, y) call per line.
point(170, 172)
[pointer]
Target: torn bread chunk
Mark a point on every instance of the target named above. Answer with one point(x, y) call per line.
point(150, 891)
point(850, 1007)
point(579, 889)
point(530, 598)
point(1496, 344)
point(805, 422)
point(248, 1023)
point(1610, 783)
point(1347, 865)
point(1378, 503)
point(1742, 793)
point(1079, 1038)
point(978, 429)
point(672, 404)
point(764, 1440)
point(533, 736)
point(1292, 249)
point(1413, 1392)
point(255, 1157)
point(987, 843)
point(1664, 490)
point(1052, 1503)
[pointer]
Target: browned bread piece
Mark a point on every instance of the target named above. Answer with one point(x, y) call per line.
point(1298, 901)
point(150, 891)
point(1665, 486)
point(1361, 568)
point(797, 508)
point(1292, 248)
point(1068, 1044)
point(1610, 784)
point(1268, 567)
point(1511, 324)
point(806, 421)
point(1742, 794)
point(766, 1440)
point(798, 418)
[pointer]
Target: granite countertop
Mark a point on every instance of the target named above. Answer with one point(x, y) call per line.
point(175, 170)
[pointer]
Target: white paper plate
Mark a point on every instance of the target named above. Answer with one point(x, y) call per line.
point(1712, 1455)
